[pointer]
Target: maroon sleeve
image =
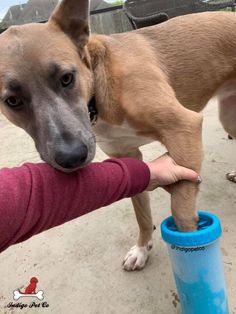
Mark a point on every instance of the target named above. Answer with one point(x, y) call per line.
point(36, 197)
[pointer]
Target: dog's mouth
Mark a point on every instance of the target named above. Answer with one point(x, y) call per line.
point(69, 157)
point(66, 170)
point(67, 166)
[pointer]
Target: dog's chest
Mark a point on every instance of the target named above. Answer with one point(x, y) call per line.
point(118, 139)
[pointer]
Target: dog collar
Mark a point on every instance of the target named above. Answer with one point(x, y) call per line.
point(92, 109)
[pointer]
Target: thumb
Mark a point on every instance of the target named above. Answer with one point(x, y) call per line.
point(183, 173)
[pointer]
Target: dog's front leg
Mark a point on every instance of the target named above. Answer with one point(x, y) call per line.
point(184, 143)
point(137, 256)
point(162, 117)
point(157, 113)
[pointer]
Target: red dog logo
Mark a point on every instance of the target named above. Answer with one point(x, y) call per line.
point(31, 288)
point(30, 291)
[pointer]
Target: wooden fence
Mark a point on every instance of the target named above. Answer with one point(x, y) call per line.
point(109, 22)
point(105, 21)
point(114, 20)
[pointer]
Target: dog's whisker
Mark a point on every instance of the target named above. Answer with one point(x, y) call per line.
point(100, 142)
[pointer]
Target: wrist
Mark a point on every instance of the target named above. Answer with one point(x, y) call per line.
point(153, 181)
point(139, 174)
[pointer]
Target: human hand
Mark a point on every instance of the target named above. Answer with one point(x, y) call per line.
point(164, 172)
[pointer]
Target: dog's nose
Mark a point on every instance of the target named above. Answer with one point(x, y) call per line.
point(71, 156)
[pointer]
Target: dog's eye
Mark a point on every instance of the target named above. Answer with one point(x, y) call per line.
point(67, 79)
point(14, 102)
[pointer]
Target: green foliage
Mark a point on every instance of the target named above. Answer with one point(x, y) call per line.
point(1, 25)
point(227, 9)
point(118, 2)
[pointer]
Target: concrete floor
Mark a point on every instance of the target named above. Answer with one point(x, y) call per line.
point(79, 264)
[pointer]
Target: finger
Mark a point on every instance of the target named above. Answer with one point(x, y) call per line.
point(188, 174)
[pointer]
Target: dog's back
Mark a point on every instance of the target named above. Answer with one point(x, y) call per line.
point(201, 45)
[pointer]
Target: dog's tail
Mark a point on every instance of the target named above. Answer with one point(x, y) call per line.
point(148, 20)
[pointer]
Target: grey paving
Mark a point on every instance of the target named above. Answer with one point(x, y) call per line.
point(79, 264)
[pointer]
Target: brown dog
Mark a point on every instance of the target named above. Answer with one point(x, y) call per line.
point(147, 85)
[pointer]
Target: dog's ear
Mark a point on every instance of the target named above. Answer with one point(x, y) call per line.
point(72, 16)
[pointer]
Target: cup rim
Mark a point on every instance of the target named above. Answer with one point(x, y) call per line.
point(209, 230)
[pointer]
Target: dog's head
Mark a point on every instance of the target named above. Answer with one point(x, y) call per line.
point(46, 84)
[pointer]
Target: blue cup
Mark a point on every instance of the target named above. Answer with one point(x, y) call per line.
point(197, 265)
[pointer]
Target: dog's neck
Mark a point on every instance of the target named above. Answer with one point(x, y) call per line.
point(105, 82)
point(92, 109)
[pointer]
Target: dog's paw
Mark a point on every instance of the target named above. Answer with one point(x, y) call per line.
point(137, 257)
point(231, 176)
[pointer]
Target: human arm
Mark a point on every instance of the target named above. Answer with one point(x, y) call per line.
point(36, 197)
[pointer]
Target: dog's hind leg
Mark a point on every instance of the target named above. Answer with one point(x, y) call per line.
point(227, 114)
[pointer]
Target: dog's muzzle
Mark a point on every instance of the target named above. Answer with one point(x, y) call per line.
point(71, 156)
